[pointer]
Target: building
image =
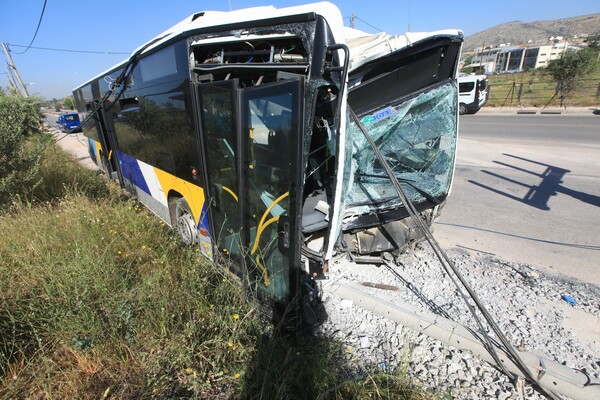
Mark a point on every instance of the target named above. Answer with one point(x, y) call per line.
point(547, 53)
point(506, 58)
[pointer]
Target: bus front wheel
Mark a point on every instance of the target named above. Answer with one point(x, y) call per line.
point(184, 224)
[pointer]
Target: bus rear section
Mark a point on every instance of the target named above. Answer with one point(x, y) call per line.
point(245, 132)
point(473, 93)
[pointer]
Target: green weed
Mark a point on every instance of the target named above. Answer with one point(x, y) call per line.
point(99, 300)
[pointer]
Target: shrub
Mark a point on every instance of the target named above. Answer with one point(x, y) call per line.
point(570, 67)
point(21, 146)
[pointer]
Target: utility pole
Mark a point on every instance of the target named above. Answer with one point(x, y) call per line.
point(13, 69)
point(408, 15)
point(11, 79)
point(352, 20)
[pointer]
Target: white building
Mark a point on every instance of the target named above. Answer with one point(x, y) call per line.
point(547, 53)
point(516, 58)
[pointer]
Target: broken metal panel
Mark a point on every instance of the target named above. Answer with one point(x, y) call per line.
point(391, 237)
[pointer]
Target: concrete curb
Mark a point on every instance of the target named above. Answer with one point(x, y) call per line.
point(582, 111)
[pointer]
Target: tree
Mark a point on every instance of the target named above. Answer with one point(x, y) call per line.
point(69, 103)
point(593, 43)
point(467, 61)
point(572, 66)
point(19, 156)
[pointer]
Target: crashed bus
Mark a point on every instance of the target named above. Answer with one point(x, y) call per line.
point(245, 131)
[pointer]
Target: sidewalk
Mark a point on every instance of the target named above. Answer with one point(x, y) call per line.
point(73, 143)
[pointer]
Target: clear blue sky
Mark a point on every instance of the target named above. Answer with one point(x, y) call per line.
point(123, 25)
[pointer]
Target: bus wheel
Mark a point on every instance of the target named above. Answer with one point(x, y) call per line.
point(184, 222)
point(462, 109)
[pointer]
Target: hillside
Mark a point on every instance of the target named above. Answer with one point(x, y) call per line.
point(538, 31)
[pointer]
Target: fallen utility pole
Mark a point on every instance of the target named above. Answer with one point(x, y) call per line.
point(551, 375)
point(11, 79)
point(14, 71)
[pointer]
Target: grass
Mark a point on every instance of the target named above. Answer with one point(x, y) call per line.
point(98, 300)
point(538, 90)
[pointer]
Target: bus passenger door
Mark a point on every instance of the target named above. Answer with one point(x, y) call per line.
point(109, 159)
point(251, 142)
point(218, 138)
point(271, 136)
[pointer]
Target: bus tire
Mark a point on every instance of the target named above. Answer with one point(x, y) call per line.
point(184, 223)
point(462, 109)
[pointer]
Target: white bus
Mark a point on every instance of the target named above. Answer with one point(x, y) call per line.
point(243, 131)
point(473, 91)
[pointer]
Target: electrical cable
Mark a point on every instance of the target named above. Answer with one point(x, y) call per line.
point(67, 50)
point(514, 235)
point(362, 20)
point(448, 265)
point(120, 80)
point(412, 211)
point(36, 29)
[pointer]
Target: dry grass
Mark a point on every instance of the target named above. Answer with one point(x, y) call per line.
point(539, 90)
point(98, 300)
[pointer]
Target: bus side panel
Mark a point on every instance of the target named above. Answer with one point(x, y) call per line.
point(195, 197)
point(94, 149)
point(152, 187)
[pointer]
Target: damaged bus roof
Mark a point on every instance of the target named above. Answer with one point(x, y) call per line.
point(364, 47)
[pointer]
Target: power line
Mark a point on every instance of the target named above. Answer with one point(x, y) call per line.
point(67, 50)
point(36, 29)
point(360, 19)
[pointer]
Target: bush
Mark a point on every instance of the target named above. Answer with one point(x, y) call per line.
point(61, 175)
point(570, 67)
point(21, 146)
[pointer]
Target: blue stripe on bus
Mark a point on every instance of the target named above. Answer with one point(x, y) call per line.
point(203, 219)
point(132, 172)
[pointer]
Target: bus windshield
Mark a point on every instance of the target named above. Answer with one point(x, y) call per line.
point(417, 137)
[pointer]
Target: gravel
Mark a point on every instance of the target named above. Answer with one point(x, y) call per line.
point(527, 304)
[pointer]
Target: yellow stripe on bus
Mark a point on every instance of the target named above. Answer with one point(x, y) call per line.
point(192, 193)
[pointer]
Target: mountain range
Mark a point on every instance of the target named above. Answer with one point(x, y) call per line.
point(538, 32)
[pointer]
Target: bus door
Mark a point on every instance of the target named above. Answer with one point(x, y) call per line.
point(219, 148)
point(105, 129)
point(272, 136)
point(251, 142)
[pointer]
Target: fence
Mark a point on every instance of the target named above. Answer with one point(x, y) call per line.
point(532, 92)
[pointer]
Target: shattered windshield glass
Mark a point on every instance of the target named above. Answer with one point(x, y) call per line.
point(417, 137)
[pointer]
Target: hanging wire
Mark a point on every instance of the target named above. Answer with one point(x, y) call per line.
point(456, 277)
point(36, 29)
point(67, 50)
point(365, 22)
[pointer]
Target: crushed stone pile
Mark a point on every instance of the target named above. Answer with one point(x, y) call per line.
point(553, 316)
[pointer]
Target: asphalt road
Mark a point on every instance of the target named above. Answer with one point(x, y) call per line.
point(527, 189)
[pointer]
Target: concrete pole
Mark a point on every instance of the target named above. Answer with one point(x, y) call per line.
point(14, 70)
point(11, 80)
